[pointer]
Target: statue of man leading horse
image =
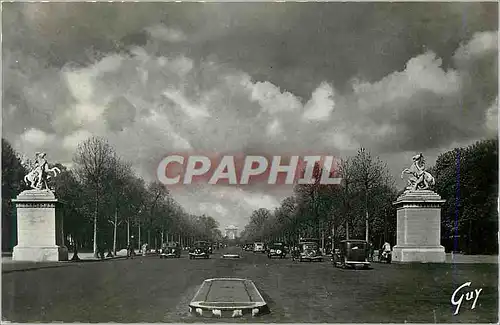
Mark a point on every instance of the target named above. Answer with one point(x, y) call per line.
point(39, 173)
point(419, 178)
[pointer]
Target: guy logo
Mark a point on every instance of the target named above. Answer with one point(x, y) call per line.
point(468, 296)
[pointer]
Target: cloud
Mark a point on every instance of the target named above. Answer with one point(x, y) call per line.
point(492, 118)
point(271, 99)
point(36, 137)
point(227, 80)
point(321, 103)
point(482, 43)
point(72, 141)
point(166, 34)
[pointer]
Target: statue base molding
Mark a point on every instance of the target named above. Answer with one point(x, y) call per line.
point(419, 228)
point(40, 254)
point(406, 254)
point(39, 228)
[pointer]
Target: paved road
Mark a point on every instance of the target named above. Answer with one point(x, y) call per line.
point(151, 289)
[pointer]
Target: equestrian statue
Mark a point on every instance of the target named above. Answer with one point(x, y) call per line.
point(39, 172)
point(419, 178)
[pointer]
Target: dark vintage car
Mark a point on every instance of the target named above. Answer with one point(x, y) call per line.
point(171, 249)
point(309, 251)
point(200, 249)
point(352, 253)
point(277, 249)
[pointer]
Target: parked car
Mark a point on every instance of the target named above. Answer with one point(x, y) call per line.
point(277, 249)
point(200, 249)
point(309, 251)
point(352, 253)
point(171, 249)
point(259, 247)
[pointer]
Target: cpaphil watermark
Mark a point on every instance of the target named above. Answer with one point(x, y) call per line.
point(469, 295)
point(242, 170)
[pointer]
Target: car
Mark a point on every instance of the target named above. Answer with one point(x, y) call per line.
point(277, 249)
point(352, 253)
point(309, 251)
point(200, 249)
point(259, 247)
point(171, 249)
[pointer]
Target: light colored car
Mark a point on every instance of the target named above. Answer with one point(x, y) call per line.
point(259, 247)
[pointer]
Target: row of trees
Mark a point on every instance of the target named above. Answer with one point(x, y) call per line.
point(361, 206)
point(105, 204)
point(467, 178)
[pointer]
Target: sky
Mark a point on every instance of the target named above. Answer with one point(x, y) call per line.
point(249, 78)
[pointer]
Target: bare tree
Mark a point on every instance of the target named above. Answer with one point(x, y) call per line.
point(369, 174)
point(94, 160)
point(121, 179)
point(346, 172)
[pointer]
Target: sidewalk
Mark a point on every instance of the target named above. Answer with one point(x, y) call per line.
point(8, 265)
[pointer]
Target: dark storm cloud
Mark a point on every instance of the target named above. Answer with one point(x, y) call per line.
point(264, 78)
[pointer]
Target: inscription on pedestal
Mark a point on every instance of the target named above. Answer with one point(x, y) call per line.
point(419, 228)
point(37, 227)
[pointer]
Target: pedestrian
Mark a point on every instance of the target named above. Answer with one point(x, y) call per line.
point(371, 251)
point(386, 249)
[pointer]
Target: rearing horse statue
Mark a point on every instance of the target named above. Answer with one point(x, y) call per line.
point(39, 173)
point(419, 179)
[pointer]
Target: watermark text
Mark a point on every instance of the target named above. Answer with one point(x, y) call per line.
point(241, 170)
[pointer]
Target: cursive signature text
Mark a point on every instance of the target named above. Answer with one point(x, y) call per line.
point(469, 295)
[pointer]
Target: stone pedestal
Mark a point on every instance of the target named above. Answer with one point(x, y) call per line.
point(419, 228)
point(39, 228)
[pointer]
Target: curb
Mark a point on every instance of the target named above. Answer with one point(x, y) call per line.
point(51, 265)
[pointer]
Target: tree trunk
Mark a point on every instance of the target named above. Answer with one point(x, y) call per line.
point(322, 239)
point(333, 236)
point(347, 230)
point(162, 238)
point(128, 233)
point(63, 241)
point(114, 231)
point(95, 222)
point(139, 242)
point(75, 250)
point(367, 237)
point(95, 235)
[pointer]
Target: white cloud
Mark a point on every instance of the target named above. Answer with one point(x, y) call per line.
point(492, 117)
point(274, 128)
point(481, 43)
point(36, 137)
point(194, 111)
point(422, 73)
point(271, 99)
point(321, 103)
point(220, 209)
point(257, 201)
point(71, 142)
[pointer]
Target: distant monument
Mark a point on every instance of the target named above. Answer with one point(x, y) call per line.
point(39, 229)
point(231, 232)
point(418, 218)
